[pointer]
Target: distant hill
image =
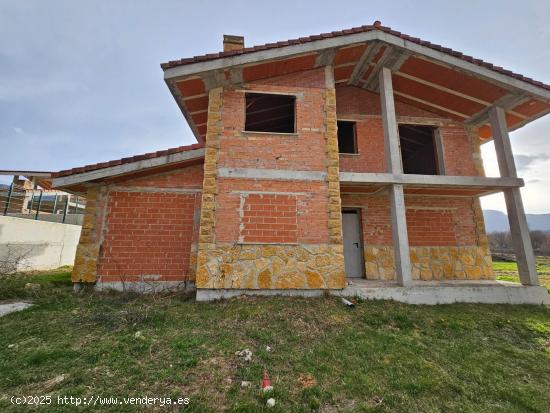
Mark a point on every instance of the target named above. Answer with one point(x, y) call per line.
point(498, 221)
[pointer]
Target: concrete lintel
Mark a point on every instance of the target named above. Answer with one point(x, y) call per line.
point(154, 189)
point(429, 180)
point(271, 174)
point(128, 168)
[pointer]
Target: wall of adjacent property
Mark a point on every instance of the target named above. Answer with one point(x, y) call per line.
point(446, 234)
point(142, 229)
point(39, 245)
point(282, 233)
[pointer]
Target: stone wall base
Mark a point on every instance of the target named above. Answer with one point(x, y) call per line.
point(277, 267)
point(448, 293)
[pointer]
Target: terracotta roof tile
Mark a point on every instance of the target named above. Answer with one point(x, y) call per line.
point(361, 29)
point(130, 159)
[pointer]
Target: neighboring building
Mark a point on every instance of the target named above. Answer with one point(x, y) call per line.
point(27, 243)
point(30, 195)
point(351, 154)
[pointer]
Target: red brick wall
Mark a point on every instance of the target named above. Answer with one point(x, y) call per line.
point(150, 227)
point(305, 151)
point(147, 234)
point(269, 218)
point(364, 108)
point(311, 197)
point(430, 221)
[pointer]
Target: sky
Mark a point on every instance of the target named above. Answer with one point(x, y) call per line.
point(80, 81)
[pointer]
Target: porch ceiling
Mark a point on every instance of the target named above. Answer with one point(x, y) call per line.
point(428, 76)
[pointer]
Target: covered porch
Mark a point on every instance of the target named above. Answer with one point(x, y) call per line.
point(396, 185)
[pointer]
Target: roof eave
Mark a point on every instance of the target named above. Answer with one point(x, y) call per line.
point(174, 73)
point(127, 168)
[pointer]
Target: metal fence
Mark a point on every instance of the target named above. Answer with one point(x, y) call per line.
point(43, 205)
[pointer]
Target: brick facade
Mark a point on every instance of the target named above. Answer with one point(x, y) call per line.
point(246, 247)
point(142, 229)
point(193, 223)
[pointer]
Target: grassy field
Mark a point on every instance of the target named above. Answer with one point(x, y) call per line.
point(508, 271)
point(378, 356)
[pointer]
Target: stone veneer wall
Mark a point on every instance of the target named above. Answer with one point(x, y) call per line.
point(432, 263)
point(87, 251)
point(260, 266)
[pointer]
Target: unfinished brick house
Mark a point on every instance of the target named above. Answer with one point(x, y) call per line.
point(347, 161)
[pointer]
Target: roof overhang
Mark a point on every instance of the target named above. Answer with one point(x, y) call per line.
point(433, 78)
point(42, 178)
point(77, 182)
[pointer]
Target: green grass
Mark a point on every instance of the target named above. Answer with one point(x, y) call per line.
point(378, 356)
point(508, 271)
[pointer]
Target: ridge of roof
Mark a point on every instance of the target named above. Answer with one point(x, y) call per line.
point(361, 29)
point(135, 158)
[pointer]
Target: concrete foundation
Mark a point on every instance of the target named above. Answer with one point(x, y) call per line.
point(425, 293)
point(143, 287)
point(207, 294)
point(483, 292)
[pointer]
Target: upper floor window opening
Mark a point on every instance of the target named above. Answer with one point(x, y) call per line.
point(267, 112)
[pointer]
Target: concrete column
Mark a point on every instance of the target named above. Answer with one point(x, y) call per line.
point(514, 205)
point(394, 165)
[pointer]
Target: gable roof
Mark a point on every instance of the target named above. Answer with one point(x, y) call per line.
point(433, 76)
point(361, 29)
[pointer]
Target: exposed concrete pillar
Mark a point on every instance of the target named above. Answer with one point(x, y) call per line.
point(514, 205)
point(394, 165)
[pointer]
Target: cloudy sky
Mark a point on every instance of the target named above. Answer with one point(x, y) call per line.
point(80, 81)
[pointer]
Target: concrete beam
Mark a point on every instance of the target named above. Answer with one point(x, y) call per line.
point(364, 63)
point(392, 148)
point(430, 180)
point(506, 102)
point(392, 60)
point(271, 174)
point(127, 168)
point(514, 204)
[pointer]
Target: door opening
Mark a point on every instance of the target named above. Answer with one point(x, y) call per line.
point(353, 243)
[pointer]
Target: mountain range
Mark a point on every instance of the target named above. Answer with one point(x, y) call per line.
point(498, 221)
